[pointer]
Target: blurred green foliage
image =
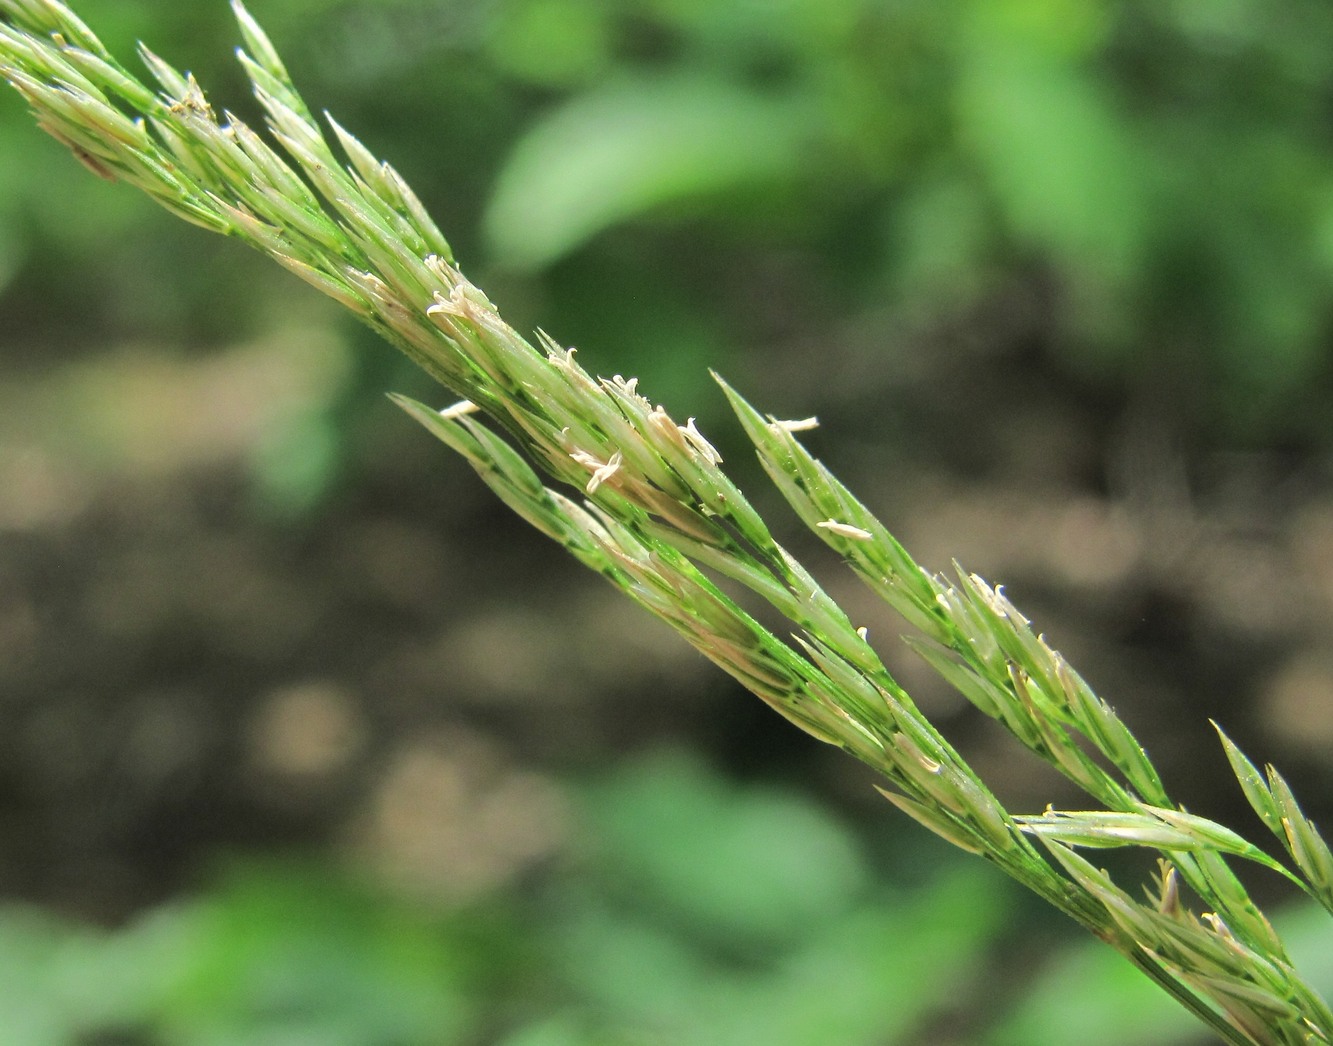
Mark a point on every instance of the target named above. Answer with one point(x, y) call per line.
point(689, 909)
point(1159, 170)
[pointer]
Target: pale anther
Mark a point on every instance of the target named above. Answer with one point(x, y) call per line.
point(459, 409)
point(605, 472)
point(846, 530)
point(802, 425)
point(705, 449)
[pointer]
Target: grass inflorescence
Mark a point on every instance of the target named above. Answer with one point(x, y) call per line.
point(644, 500)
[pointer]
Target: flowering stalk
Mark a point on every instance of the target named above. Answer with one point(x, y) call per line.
point(658, 517)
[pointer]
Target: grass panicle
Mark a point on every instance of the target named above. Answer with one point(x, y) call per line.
point(642, 499)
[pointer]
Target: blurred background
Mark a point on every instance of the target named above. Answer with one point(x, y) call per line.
point(303, 740)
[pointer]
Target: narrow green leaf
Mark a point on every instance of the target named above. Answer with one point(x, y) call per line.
point(1304, 842)
point(258, 42)
point(173, 83)
point(1233, 902)
point(1104, 830)
point(1252, 784)
point(946, 828)
point(979, 690)
point(618, 151)
point(1214, 836)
